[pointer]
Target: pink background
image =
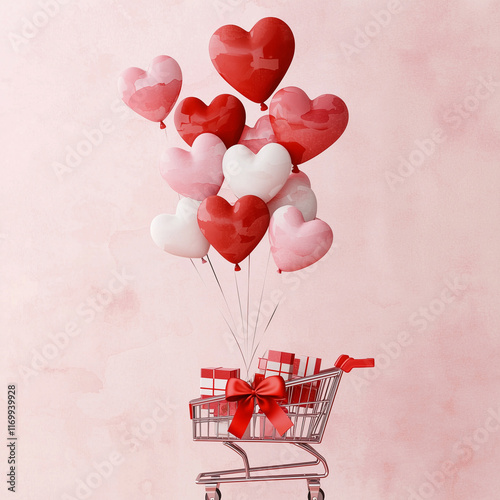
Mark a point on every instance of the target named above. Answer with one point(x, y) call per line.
point(415, 251)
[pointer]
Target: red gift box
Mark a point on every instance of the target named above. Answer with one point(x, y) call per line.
point(304, 393)
point(213, 383)
point(303, 367)
point(306, 365)
point(226, 408)
point(214, 380)
point(277, 363)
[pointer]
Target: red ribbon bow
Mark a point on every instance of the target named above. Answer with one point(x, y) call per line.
point(266, 393)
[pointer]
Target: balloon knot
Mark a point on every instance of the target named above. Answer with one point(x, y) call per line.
point(203, 261)
point(162, 125)
point(237, 267)
point(263, 106)
point(279, 271)
point(295, 169)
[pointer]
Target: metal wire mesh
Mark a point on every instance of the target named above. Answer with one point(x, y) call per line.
point(308, 405)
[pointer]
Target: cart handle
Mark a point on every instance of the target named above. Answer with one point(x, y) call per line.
point(346, 363)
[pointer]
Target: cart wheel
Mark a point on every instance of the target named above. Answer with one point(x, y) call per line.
point(321, 495)
point(218, 495)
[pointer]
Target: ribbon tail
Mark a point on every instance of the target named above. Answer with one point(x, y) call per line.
point(276, 415)
point(242, 417)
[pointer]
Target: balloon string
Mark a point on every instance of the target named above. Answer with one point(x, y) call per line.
point(260, 303)
point(203, 281)
point(221, 291)
point(228, 308)
point(248, 305)
point(265, 330)
point(220, 310)
point(241, 312)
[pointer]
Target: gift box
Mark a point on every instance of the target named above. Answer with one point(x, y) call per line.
point(221, 408)
point(258, 378)
point(213, 383)
point(305, 393)
point(306, 365)
point(277, 363)
point(227, 408)
point(214, 380)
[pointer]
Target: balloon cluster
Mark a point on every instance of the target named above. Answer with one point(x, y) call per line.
point(259, 164)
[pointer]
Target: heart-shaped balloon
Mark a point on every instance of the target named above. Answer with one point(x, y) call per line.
point(152, 93)
point(296, 244)
point(262, 174)
point(306, 128)
point(234, 231)
point(296, 192)
point(224, 117)
point(180, 234)
point(196, 173)
point(256, 137)
point(254, 62)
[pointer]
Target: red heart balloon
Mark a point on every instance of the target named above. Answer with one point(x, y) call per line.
point(306, 128)
point(224, 117)
point(253, 62)
point(234, 231)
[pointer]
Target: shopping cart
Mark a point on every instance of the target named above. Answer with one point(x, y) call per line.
point(308, 405)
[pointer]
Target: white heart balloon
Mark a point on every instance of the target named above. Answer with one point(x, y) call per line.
point(180, 234)
point(262, 174)
point(298, 193)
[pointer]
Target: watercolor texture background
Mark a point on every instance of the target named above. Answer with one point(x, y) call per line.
point(416, 255)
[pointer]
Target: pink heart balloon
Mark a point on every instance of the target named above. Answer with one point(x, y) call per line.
point(152, 93)
point(296, 244)
point(195, 174)
point(256, 137)
point(298, 193)
point(306, 128)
